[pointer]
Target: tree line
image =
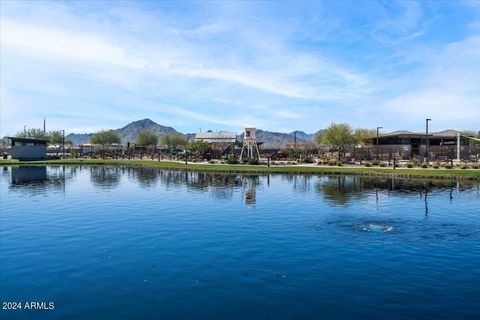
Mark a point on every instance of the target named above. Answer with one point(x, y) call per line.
point(149, 139)
point(338, 137)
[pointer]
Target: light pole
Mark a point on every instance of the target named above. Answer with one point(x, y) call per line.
point(426, 139)
point(63, 143)
point(25, 130)
point(378, 128)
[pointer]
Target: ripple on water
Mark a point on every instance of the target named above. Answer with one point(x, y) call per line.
point(379, 228)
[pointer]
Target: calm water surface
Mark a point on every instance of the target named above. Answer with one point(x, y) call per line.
point(145, 243)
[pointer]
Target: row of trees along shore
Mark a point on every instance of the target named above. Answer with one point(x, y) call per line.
point(339, 137)
point(149, 139)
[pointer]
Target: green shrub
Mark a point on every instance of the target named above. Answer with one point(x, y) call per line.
point(368, 164)
point(308, 159)
point(464, 167)
point(424, 165)
point(448, 166)
point(339, 164)
point(253, 161)
point(410, 165)
point(231, 159)
point(435, 166)
point(332, 162)
point(475, 166)
point(382, 164)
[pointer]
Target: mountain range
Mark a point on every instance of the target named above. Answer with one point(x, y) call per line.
point(129, 133)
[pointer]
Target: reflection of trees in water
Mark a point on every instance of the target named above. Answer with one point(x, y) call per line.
point(105, 177)
point(221, 186)
point(343, 189)
point(340, 190)
point(301, 183)
point(145, 176)
point(62, 173)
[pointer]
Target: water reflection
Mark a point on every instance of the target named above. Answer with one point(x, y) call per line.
point(337, 190)
point(250, 185)
point(343, 190)
point(105, 177)
point(34, 179)
point(25, 175)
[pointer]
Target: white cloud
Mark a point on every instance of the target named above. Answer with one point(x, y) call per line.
point(56, 43)
point(48, 43)
point(446, 89)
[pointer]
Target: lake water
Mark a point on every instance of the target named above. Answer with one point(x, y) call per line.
point(146, 243)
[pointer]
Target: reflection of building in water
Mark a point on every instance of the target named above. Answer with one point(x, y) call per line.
point(38, 179)
point(250, 184)
point(221, 186)
point(27, 174)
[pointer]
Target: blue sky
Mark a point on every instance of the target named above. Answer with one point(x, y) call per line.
point(279, 66)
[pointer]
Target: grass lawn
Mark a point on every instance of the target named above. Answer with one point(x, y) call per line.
point(402, 172)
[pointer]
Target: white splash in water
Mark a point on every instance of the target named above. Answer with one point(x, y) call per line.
point(377, 228)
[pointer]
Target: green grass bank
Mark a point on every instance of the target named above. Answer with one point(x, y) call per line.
point(471, 174)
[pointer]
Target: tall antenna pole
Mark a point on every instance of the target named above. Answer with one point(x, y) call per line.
point(295, 142)
point(44, 126)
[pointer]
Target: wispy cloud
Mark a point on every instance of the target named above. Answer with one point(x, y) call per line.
point(78, 47)
point(403, 21)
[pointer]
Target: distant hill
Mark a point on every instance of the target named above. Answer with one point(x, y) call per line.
point(130, 131)
point(79, 138)
point(277, 140)
point(127, 133)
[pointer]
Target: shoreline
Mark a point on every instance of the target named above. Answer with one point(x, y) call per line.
point(467, 174)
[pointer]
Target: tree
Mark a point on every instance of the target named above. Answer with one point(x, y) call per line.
point(4, 143)
point(56, 139)
point(32, 133)
point(198, 147)
point(146, 138)
point(289, 151)
point(173, 141)
point(338, 136)
point(105, 137)
point(364, 136)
